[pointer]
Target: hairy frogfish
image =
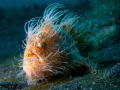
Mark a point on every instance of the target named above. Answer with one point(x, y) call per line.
point(50, 46)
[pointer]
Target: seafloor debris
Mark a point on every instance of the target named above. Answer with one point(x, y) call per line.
point(112, 72)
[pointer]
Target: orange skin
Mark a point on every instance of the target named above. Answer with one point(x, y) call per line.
point(36, 63)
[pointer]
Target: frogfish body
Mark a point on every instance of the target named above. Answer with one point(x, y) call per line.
point(50, 48)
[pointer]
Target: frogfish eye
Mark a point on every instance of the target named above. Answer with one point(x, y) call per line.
point(42, 45)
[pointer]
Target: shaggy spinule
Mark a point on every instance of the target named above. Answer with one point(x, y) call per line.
point(50, 49)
